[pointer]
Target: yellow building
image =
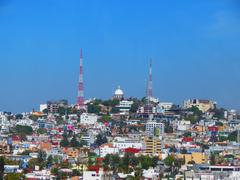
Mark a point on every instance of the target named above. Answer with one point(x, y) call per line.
point(153, 146)
point(197, 157)
point(203, 105)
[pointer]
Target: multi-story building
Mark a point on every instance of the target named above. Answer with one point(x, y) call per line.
point(52, 106)
point(203, 105)
point(43, 107)
point(124, 143)
point(165, 105)
point(125, 106)
point(197, 157)
point(153, 146)
point(153, 128)
point(107, 149)
point(87, 118)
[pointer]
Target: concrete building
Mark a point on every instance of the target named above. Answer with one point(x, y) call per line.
point(53, 106)
point(203, 105)
point(147, 109)
point(87, 118)
point(107, 149)
point(183, 125)
point(165, 105)
point(125, 106)
point(152, 146)
point(97, 175)
point(197, 157)
point(124, 143)
point(153, 128)
point(42, 107)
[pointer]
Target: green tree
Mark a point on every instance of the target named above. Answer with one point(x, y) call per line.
point(155, 160)
point(24, 130)
point(101, 139)
point(106, 161)
point(146, 162)
point(34, 162)
point(134, 107)
point(50, 160)
point(169, 160)
point(76, 172)
point(62, 110)
point(195, 111)
point(115, 110)
point(45, 111)
point(94, 108)
point(218, 113)
point(125, 162)
point(42, 155)
point(42, 131)
point(106, 117)
point(219, 123)
point(233, 136)
point(222, 138)
point(64, 142)
point(54, 171)
point(13, 176)
point(83, 143)
point(168, 128)
point(59, 120)
point(212, 158)
point(2, 163)
point(74, 142)
point(33, 117)
point(187, 134)
point(192, 118)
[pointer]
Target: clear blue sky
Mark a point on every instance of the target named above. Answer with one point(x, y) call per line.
point(194, 44)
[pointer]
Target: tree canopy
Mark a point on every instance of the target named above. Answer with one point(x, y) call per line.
point(24, 130)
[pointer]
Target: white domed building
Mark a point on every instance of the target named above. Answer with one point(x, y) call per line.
point(119, 95)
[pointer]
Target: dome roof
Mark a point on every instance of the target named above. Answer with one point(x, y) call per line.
point(118, 92)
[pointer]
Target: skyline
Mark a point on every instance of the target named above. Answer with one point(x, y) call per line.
point(194, 47)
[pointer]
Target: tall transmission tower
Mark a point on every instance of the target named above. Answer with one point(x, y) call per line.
point(80, 97)
point(148, 108)
point(149, 85)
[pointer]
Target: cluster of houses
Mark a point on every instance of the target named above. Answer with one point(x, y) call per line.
point(162, 134)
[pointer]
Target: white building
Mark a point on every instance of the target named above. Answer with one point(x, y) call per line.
point(124, 143)
point(87, 118)
point(118, 94)
point(153, 128)
point(42, 107)
point(89, 138)
point(25, 122)
point(93, 175)
point(201, 104)
point(183, 125)
point(125, 106)
point(165, 105)
point(107, 149)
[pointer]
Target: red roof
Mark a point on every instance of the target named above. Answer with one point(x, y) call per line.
point(94, 168)
point(16, 138)
point(132, 150)
point(187, 139)
point(99, 159)
point(213, 128)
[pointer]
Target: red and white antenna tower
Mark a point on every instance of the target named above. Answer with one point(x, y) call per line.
point(80, 97)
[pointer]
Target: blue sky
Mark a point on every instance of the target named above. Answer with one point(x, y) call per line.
point(194, 46)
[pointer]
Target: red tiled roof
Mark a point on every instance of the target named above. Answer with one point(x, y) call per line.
point(132, 150)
